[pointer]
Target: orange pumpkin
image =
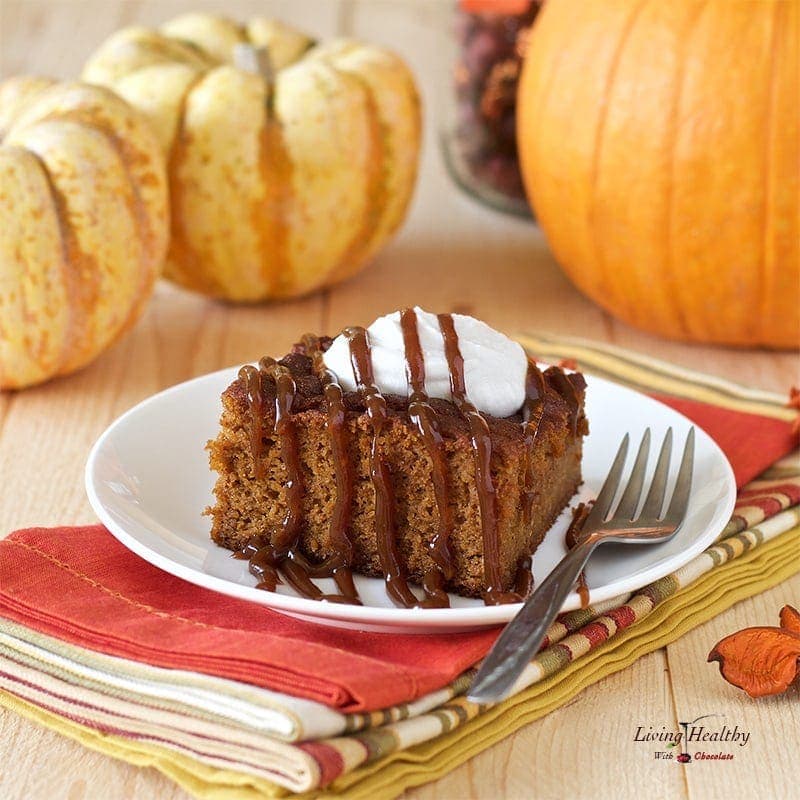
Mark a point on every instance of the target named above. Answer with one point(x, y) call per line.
point(83, 225)
point(660, 147)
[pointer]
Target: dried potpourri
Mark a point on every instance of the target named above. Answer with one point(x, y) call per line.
point(491, 37)
point(762, 661)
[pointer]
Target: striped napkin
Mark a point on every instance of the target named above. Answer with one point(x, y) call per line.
point(223, 738)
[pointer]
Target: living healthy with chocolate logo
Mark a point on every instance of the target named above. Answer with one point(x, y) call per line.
point(705, 738)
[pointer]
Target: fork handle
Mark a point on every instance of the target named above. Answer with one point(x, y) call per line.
point(523, 636)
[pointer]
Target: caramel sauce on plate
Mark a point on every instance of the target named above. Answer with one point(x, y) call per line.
point(573, 537)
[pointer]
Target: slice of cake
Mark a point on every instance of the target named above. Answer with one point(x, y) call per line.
point(425, 449)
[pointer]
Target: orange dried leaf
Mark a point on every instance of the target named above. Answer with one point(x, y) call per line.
point(762, 661)
point(790, 619)
point(794, 402)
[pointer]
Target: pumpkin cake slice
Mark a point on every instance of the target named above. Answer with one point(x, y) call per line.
point(378, 452)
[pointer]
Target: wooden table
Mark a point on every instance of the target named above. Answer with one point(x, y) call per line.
point(452, 254)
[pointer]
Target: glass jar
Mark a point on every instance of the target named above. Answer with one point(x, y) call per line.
point(479, 139)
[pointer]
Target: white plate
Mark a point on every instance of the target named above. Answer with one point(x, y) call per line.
point(148, 480)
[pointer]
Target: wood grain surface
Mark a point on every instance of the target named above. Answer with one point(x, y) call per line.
point(452, 254)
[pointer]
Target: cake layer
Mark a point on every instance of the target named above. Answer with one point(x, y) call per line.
point(254, 502)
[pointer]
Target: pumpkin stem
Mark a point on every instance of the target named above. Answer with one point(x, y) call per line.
point(255, 60)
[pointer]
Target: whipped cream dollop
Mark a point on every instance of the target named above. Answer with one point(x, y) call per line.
point(494, 366)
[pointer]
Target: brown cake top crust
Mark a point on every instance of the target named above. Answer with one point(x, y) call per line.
point(309, 395)
point(274, 392)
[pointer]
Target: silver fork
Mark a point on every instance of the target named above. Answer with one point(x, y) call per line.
point(524, 634)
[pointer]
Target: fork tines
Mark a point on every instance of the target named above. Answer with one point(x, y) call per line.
point(651, 511)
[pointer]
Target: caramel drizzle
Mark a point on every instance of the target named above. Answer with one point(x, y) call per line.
point(523, 582)
point(385, 525)
point(560, 381)
point(276, 556)
point(532, 413)
point(339, 563)
point(251, 378)
point(573, 537)
point(482, 455)
point(423, 415)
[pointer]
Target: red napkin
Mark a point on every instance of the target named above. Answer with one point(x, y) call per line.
point(81, 585)
point(751, 442)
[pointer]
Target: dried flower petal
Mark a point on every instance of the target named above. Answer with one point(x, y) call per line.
point(794, 402)
point(762, 661)
point(790, 619)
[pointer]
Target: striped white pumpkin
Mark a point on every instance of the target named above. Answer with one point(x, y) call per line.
point(83, 225)
point(283, 180)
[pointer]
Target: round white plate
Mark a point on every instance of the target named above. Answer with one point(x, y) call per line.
point(148, 480)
